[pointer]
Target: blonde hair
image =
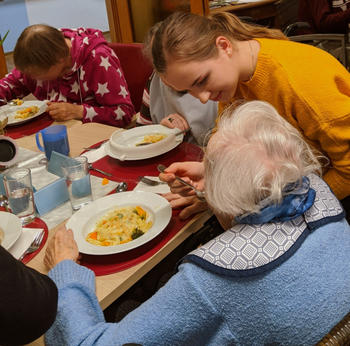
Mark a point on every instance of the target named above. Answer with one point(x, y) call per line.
point(39, 46)
point(187, 36)
point(253, 156)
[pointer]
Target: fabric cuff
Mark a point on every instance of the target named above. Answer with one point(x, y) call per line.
point(68, 271)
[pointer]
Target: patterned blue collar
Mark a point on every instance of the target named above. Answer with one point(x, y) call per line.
point(298, 198)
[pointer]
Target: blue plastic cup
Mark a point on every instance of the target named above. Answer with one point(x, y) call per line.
point(54, 139)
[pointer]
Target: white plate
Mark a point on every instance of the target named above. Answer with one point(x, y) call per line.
point(10, 111)
point(84, 220)
point(122, 144)
point(12, 227)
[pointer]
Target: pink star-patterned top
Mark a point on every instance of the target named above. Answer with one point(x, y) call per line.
point(96, 81)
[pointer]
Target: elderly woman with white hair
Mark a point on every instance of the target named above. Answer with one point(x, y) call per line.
point(279, 274)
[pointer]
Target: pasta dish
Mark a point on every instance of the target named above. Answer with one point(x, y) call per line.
point(26, 112)
point(120, 226)
point(150, 139)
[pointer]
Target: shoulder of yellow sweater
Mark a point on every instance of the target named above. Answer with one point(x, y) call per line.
point(306, 68)
point(301, 56)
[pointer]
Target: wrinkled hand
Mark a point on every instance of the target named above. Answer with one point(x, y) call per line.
point(191, 204)
point(191, 171)
point(62, 246)
point(175, 120)
point(61, 111)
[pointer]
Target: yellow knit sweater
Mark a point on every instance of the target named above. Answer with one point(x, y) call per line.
point(311, 90)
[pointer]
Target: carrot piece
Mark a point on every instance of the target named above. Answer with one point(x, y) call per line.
point(93, 235)
point(105, 243)
point(140, 211)
point(105, 181)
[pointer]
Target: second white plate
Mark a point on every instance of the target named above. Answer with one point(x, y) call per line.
point(12, 227)
point(10, 111)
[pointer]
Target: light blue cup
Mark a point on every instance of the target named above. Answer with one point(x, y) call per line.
point(54, 139)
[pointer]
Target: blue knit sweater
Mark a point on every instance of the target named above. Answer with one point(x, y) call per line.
point(296, 303)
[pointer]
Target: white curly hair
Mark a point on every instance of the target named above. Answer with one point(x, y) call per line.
point(253, 155)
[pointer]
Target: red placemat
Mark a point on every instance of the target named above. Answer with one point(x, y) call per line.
point(36, 223)
point(30, 127)
point(129, 171)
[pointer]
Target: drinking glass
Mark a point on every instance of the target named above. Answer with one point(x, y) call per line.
point(19, 190)
point(55, 139)
point(76, 172)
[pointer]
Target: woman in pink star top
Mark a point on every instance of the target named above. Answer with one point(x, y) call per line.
point(75, 70)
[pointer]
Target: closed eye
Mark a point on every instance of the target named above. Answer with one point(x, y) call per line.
point(181, 92)
point(203, 81)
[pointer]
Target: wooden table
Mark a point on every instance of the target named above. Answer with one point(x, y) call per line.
point(109, 287)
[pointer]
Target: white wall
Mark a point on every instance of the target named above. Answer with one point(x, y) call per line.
point(15, 15)
point(68, 13)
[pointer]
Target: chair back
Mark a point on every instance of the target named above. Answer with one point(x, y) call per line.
point(339, 335)
point(136, 69)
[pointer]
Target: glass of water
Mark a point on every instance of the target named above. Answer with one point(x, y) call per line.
point(19, 190)
point(76, 172)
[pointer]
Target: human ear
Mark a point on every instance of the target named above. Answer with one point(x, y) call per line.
point(224, 44)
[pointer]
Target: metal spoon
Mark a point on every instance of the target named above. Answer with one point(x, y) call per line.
point(99, 170)
point(9, 103)
point(121, 187)
point(4, 202)
point(200, 194)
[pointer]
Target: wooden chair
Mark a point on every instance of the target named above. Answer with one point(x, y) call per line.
point(339, 335)
point(136, 69)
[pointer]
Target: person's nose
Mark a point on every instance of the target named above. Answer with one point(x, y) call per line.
point(202, 96)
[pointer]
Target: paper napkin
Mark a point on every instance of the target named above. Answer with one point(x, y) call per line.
point(161, 188)
point(24, 241)
point(95, 154)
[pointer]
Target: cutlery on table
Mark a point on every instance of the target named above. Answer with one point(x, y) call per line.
point(4, 202)
point(9, 103)
point(34, 245)
point(99, 170)
point(174, 134)
point(200, 194)
point(151, 182)
point(121, 187)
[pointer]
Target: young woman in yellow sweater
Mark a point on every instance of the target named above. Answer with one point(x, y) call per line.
point(223, 59)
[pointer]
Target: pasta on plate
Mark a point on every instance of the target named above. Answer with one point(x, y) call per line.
point(153, 138)
point(120, 226)
point(26, 112)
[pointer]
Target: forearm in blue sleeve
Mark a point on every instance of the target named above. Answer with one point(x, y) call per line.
point(172, 316)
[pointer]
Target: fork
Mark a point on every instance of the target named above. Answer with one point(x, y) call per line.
point(34, 245)
point(151, 182)
point(200, 194)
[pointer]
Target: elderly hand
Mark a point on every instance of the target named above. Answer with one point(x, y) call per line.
point(175, 120)
point(191, 171)
point(62, 246)
point(191, 204)
point(61, 111)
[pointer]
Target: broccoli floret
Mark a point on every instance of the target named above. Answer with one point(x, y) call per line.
point(136, 233)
